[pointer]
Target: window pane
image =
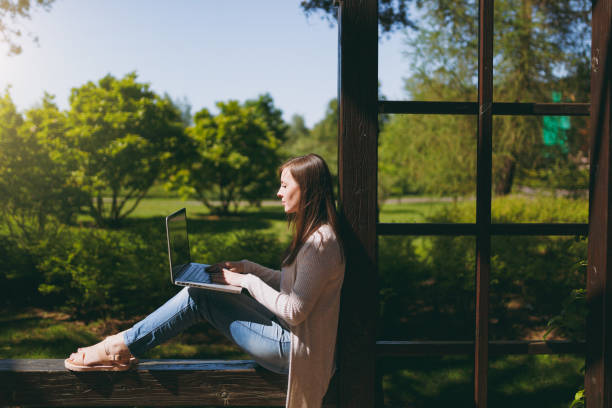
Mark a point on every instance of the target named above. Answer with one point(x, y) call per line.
point(541, 51)
point(534, 381)
point(540, 169)
point(427, 166)
point(440, 55)
point(426, 288)
point(428, 381)
point(533, 283)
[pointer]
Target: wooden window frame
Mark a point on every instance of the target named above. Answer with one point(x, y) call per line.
point(358, 167)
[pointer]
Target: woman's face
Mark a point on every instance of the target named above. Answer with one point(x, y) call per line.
point(289, 192)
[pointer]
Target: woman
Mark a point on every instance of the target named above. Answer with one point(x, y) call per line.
point(288, 323)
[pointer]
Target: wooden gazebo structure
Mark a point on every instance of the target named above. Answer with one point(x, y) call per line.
point(357, 137)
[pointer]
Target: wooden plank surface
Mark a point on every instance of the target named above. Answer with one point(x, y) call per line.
point(154, 383)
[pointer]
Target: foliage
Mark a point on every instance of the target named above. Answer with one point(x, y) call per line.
point(122, 137)
point(93, 273)
point(534, 54)
point(11, 11)
point(426, 155)
point(570, 323)
point(265, 249)
point(100, 273)
point(392, 14)
point(322, 139)
point(36, 183)
point(236, 154)
point(19, 278)
point(579, 400)
point(525, 291)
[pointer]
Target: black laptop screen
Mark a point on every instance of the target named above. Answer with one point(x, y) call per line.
point(178, 243)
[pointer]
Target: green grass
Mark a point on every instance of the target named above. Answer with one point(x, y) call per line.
point(411, 211)
point(523, 380)
point(36, 333)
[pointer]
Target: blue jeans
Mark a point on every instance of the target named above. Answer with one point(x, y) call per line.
point(241, 318)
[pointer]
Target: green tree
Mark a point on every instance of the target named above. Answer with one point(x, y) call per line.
point(122, 136)
point(36, 183)
point(297, 130)
point(11, 11)
point(236, 154)
point(392, 14)
point(539, 47)
point(322, 139)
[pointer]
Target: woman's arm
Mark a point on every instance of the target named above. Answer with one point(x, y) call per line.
point(317, 263)
point(270, 276)
point(232, 273)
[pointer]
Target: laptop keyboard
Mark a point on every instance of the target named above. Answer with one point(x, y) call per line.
point(195, 273)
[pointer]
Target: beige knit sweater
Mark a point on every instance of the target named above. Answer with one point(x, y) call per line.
point(306, 295)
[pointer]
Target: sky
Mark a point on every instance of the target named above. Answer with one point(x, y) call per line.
point(201, 51)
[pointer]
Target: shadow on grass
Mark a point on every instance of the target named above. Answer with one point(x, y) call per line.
point(542, 381)
point(27, 335)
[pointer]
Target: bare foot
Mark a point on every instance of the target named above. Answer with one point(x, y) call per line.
point(112, 349)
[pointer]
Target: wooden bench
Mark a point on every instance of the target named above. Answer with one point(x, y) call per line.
point(154, 383)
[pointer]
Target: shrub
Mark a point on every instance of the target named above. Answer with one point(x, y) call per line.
point(427, 283)
point(265, 249)
point(96, 273)
point(93, 273)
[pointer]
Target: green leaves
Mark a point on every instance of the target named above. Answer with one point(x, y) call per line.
point(123, 136)
point(534, 54)
point(36, 170)
point(236, 154)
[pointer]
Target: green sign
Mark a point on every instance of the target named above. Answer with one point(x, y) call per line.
point(554, 128)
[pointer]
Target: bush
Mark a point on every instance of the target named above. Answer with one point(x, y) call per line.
point(427, 283)
point(93, 273)
point(100, 273)
point(265, 249)
point(19, 278)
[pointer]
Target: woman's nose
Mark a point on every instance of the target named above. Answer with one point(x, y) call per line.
point(278, 194)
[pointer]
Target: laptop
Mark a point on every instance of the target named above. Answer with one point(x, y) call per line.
point(183, 272)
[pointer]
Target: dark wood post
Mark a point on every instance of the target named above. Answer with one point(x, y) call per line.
point(483, 200)
point(357, 173)
point(598, 379)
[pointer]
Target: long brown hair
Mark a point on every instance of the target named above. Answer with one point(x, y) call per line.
point(317, 205)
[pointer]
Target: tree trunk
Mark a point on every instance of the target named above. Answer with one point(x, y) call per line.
point(503, 184)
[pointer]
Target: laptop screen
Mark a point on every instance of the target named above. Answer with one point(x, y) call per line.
point(178, 244)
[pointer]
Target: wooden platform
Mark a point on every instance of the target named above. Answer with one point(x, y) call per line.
point(153, 383)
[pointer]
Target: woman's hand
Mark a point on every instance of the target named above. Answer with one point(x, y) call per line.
point(229, 273)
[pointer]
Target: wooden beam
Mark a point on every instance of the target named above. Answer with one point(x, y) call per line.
point(428, 108)
point(153, 383)
point(416, 228)
point(598, 378)
point(422, 348)
point(541, 109)
point(471, 108)
point(466, 229)
point(357, 174)
point(483, 200)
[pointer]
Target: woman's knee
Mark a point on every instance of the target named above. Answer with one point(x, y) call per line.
point(196, 298)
